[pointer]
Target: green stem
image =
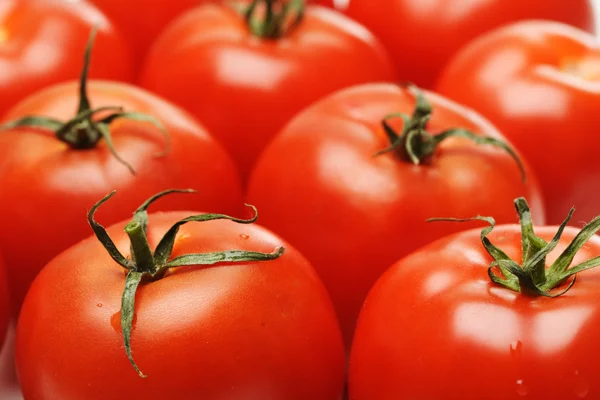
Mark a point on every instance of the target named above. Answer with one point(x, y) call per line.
point(140, 249)
point(532, 277)
point(275, 22)
point(83, 131)
point(146, 264)
point(416, 145)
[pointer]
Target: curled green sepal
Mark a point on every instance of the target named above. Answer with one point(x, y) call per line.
point(153, 265)
point(279, 17)
point(532, 277)
point(132, 281)
point(416, 145)
point(83, 131)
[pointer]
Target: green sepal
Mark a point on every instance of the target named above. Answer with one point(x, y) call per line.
point(533, 277)
point(416, 145)
point(145, 263)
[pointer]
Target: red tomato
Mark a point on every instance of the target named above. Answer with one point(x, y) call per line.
point(352, 214)
point(47, 183)
point(537, 81)
point(436, 327)
point(429, 32)
point(244, 87)
point(4, 306)
point(240, 329)
point(141, 21)
point(38, 39)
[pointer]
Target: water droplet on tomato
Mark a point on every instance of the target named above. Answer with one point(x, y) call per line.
point(115, 322)
point(582, 386)
point(244, 236)
point(521, 388)
point(99, 305)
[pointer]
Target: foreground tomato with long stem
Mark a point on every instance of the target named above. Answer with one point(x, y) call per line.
point(421, 36)
point(538, 82)
point(245, 74)
point(52, 170)
point(37, 42)
point(460, 318)
point(218, 310)
point(352, 180)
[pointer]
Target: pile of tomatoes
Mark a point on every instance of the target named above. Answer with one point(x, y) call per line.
point(299, 200)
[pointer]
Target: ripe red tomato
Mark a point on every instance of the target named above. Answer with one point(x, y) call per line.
point(436, 327)
point(537, 82)
point(240, 329)
point(4, 306)
point(49, 177)
point(245, 87)
point(37, 42)
point(429, 32)
point(351, 214)
point(142, 22)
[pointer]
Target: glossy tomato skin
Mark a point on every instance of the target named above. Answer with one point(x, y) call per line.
point(245, 88)
point(5, 314)
point(429, 33)
point(543, 95)
point(435, 327)
point(47, 188)
point(351, 214)
point(40, 42)
point(245, 331)
point(141, 22)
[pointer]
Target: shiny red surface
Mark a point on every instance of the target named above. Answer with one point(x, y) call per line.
point(42, 43)
point(435, 327)
point(352, 214)
point(252, 330)
point(538, 82)
point(244, 88)
point(47, 187)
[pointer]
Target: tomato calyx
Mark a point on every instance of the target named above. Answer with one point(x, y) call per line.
point(276, 19)
point(416, 145)
point(83, 132)
point(152, 265)
point(532, 277)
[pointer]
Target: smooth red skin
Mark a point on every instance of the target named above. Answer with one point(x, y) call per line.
point(518, 77)
point(142, 21)
point(429, 32)
point(42, 43)
point(245, 331)
point(5, 314)
point(434, 326)
point(47, 188)
point(351, 214)
point(245, 89)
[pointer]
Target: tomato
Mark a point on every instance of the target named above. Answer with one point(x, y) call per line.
point(537, 81)
point(141, 22)
point(50, 177)
point(429, 33)
point(37, 42)
point(258, 324)
point(435, 326)
point(4, 306)
point(351, 214)
point(245, 87)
